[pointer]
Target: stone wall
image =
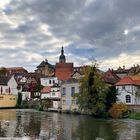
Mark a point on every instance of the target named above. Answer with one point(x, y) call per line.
point(134, 108)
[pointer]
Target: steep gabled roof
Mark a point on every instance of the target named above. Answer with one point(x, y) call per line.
point(16, 70)
point(4, 80)
point(64, 71)
point(43, 63)
point(63, 75)
point(110, 77)
point(126, 81)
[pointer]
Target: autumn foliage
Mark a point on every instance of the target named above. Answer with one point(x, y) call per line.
point(118, 110)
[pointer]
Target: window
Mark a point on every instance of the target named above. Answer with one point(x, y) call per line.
point(50, 81)
point(53, 81)
point(123, 87)
point(128, 99)
point(72, 91)
point(53, 94)
point(63, 91)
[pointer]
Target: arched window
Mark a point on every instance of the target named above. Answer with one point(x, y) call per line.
point(128, 99)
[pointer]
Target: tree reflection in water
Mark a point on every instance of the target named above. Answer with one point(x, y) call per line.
point(43, 126)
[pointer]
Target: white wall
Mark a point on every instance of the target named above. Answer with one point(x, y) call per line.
point(13, 86)
point(68, 98)
point(5, 89)
point(56, 104)
point(45, 95)
point(55, 92)
point(23, 79)
point(128, 90)
point(45, 81)
point(26, 95)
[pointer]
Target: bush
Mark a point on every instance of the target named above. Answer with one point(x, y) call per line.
point(118, 110)
point(25, 104)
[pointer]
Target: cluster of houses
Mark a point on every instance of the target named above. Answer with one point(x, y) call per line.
point(60, 83)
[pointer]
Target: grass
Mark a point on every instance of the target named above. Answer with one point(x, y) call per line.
point(135, 116)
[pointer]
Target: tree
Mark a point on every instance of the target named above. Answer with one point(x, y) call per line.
point(19, 100)
point(111, 97)
point(93, 91)
point(3, 71)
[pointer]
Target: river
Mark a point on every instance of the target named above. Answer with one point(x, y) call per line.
point(34, 125)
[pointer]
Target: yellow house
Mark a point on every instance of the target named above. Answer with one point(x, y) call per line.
point(8, 101)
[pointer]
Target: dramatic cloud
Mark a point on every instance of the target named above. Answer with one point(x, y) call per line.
point(32, 30)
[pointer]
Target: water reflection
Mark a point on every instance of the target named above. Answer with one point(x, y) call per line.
point(29, 124)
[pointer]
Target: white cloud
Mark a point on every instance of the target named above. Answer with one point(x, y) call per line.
point(123, 59)
point(3, 3)
point(32, 30)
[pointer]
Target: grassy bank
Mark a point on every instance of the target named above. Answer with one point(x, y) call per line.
point(134, 116)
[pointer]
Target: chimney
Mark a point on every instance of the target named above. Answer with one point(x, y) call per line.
point(124, 67)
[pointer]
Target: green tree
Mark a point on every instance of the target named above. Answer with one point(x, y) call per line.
point(111, 97)
point(93, 91)
point(19, 100)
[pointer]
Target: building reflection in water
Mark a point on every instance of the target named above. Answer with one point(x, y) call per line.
point(43, 126)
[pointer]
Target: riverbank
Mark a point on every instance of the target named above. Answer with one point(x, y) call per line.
point(135, 116)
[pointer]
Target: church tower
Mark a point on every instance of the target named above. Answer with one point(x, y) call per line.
point(62, 58)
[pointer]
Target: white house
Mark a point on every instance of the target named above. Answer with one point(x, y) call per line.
point(129, 90)
point(8, 85)
point(49, 81)
point(46, 92)
point(68, 90)
point(55, 96)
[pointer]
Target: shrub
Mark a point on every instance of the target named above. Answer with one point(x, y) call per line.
point(118, 110)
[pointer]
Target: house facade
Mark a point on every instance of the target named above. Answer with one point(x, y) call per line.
point(55, 96)
point(69, 89)
point(8, 85)
point(129, 90)
point(8, 91)
point(49, 81)
point(46, 92)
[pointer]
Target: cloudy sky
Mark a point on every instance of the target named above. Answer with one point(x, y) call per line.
point(105, 30)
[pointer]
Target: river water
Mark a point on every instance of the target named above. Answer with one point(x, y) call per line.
point(34, 125)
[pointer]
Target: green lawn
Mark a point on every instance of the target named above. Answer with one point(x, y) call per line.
point(134, 116)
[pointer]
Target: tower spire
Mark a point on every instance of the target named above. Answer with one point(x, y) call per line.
point(62, 58)
point(62, 51)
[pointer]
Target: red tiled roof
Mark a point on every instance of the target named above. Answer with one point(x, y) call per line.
point(63, 75)
point(126, 81)
point(16, 70)
point(110, 77)
point(136, 78)
point(46, 89)
point(64, 65)
point(64, 71)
